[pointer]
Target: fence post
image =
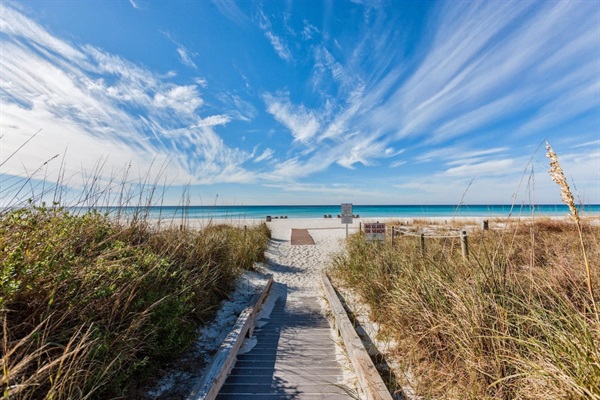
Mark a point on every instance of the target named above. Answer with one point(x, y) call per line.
point(393, 231)
point(360, 227)
point(422, 244)
point(485, 225)
point(245, 234)
point(464, 245)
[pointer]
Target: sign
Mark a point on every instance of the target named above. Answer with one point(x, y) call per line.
point(374, 231)
point(346, 213)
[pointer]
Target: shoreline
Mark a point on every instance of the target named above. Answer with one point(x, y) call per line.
point(335, 223)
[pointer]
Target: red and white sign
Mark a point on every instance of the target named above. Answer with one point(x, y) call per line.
point(374, 231)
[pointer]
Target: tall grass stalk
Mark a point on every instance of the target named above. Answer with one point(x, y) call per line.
point(558, 176)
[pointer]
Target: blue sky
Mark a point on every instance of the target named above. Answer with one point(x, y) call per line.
point(303, 102)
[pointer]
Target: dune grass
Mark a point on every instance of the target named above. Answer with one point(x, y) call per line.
point(89, 306)
point(515, 320)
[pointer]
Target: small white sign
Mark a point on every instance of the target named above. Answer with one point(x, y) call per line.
point(346, 213)
point(374, 231)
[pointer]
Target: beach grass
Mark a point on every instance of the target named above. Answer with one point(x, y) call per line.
point(514, 320)
point(90, 305)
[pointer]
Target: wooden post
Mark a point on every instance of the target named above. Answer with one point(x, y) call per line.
point(360, 227)
point(245, 234)
point(464, 245)
point(485, 225)
point(393, 231)
point(422, 243)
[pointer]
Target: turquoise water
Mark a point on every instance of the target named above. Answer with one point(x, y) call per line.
point(365, 211)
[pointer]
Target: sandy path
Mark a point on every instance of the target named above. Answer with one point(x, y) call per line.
point(299, 267)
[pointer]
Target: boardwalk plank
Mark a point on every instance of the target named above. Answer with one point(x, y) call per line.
point(294, 358)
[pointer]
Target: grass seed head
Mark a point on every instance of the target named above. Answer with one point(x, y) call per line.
point(557, 175)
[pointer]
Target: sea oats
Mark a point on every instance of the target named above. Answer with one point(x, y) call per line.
point(558, 176)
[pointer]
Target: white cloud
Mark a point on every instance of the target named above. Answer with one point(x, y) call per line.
point(494, 167)
point(398, 163)
point(184, 54)
point(231, 10)
point(309, 31)
point(185, 58)
point(16, 25)
point(214, 120)
point(182, 99)
point(302, 123)
point(265, 155)
point(238, 108)
point(134, 4)
point(202, 82)
point(294, 167)
point(458, 152)
point(100, 106)
point(277, 42)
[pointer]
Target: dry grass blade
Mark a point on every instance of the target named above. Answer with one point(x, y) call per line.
point(116, 299)
point(480, 329)
point(558, 176)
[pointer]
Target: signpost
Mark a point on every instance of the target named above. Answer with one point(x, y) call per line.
point(346, 215)
point(374, 231)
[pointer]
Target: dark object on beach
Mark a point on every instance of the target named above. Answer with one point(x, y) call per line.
point(339, 216)
point(329, 216)
point(268, 218)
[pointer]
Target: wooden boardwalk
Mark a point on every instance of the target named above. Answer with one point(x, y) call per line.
point(294, 357)
point(301, 237)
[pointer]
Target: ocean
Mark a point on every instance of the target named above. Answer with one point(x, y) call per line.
point(364, 211)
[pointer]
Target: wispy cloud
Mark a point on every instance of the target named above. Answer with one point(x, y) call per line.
point(103, 106)
point(185, 58)
point(302, 123)
point(496, 167)
point(238, 108)
point(231, 10)
point(134, 4)
point(264, 156)
point(309, 31)
point(475, 75)
point(182, 51)
point(278, 43)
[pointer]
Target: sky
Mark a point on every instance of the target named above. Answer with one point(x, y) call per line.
point(301, 102)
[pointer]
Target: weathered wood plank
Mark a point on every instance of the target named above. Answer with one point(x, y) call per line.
point(296, 391)
point(214, 377)
point(301, 237)
point(368, 376)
